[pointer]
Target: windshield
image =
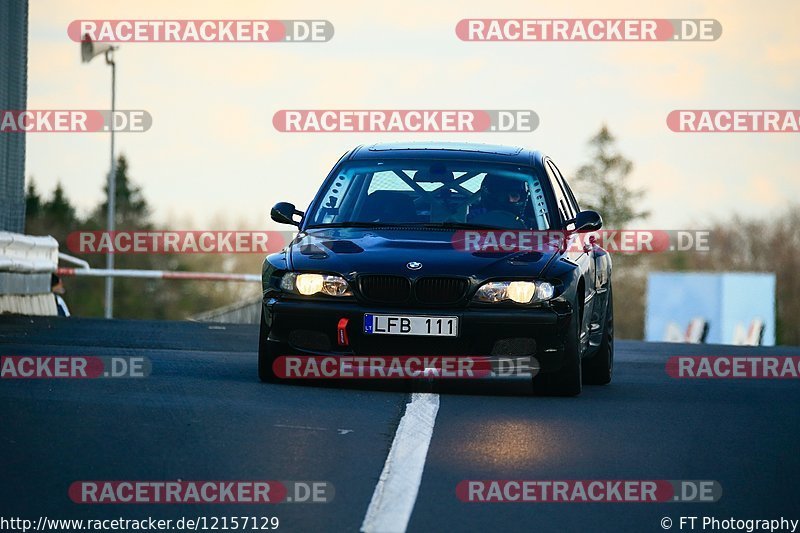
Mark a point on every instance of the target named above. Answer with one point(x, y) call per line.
point(431, 193)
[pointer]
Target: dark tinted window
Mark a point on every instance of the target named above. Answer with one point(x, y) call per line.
point(565, 209)
point(565, 187)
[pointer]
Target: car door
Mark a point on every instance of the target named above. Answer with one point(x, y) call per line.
point(583, 256)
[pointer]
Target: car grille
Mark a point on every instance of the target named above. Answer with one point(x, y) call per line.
point(386, 289)
point(440, 290)
point(397, 289)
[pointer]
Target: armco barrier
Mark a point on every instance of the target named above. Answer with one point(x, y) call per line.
point(26, 263)
point(244, 312)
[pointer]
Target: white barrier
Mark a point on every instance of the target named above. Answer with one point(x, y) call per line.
point(696, 331)
point(26, 263)
point(752, 336)
point(28, 304)
point(27, 254)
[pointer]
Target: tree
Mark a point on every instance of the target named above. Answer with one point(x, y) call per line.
point(131, 209)
point(146, 298)
point(55, 216)
point(604, 186)
point(133, 298)
point(33, 203)
point(58, 209)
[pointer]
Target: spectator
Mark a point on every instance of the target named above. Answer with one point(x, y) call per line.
point(57, 287)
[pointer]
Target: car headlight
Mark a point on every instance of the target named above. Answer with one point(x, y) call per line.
point(521, 292)
point(308, 284)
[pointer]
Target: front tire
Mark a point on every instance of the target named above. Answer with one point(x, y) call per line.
point(566, 381)
point(598, 369)
point(265, 357)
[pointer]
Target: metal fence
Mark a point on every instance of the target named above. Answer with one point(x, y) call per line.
point(13, 96)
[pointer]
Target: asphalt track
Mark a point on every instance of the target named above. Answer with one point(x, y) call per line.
point(203, 415)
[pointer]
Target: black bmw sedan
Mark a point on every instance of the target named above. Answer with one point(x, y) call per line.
point(443, 249)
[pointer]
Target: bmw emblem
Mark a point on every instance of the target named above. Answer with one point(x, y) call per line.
point(413, 265)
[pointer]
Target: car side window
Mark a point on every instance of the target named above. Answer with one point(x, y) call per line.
point(564, 209)
point(567, 190)
point(333, 198)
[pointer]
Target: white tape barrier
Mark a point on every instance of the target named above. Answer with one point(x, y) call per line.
point(157, 274)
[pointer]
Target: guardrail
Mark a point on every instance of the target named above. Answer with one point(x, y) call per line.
point(243, 312)
point(27, 254)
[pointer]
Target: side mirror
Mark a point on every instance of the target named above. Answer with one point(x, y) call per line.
point(283, 213)
point(587, 221)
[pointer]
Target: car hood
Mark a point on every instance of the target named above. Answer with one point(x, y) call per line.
point(351, 251)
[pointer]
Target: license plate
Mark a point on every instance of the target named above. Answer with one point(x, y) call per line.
point(424, 326)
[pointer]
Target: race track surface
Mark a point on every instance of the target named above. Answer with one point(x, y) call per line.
point(202, 414)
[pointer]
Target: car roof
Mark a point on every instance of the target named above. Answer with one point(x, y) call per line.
point(464, 151)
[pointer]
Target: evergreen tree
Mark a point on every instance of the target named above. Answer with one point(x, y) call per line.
point(33, 203)
point(603, 183)
point(59, 210)
point(55, 217)
point(131, 209)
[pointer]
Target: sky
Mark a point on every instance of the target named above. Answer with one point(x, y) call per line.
point(212, 155)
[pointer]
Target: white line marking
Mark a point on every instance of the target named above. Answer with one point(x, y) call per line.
point(393, 499)
point(309, 428)
point(341, 431)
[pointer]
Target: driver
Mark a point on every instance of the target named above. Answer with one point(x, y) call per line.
point(502, 193)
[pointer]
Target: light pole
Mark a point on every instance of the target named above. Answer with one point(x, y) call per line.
point(89, 50)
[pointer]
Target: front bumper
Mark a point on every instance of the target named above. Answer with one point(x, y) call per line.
point(305, 327)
